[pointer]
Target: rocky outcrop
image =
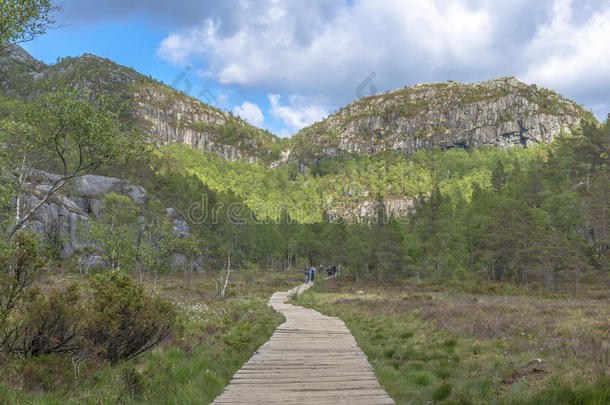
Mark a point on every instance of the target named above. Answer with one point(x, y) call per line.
point(367, 209)
point(59, 219)
point(16, 54)
point(62, 218)
point(171, 118)
point(89, 189)
point(502, 112)
point(166, 115)
point(181, 228)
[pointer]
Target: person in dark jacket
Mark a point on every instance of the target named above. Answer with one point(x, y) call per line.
point(313, 273)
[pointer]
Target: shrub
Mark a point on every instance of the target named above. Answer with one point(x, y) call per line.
point(51, 372)
point(49, 325)
point(18, 268)
point(123, 321)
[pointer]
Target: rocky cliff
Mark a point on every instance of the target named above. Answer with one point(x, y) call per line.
point(502, 112)
point(164, 114)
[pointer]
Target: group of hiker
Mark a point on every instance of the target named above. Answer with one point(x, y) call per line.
point(310, 271)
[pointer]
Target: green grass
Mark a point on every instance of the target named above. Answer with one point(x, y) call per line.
point(440, 347)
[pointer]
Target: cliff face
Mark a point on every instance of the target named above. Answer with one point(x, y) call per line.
point(502, 112)
point(166, 115)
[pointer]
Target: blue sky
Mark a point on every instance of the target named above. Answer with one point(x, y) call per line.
point(284, 64)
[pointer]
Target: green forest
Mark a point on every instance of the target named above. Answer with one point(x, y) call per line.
point(523, 215)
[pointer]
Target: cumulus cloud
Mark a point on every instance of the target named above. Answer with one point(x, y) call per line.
point(323, 46)
point(573, 54)
point(296, 115)
point(251, 113)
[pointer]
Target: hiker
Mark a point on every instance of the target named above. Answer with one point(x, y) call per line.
point(333, 271)
point(313, 273)
point(306, 275)
point(329, 271)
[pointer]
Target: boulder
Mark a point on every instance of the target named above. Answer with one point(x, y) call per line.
point(90, 189)
point(95, 207)
point(181, 228)
point(137, 194)
point(95, 186)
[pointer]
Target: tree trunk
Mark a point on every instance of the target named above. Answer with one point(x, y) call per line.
point(224, 288)
point(154, 290)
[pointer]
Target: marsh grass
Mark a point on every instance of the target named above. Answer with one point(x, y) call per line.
point(429, 345)
point(216, 336)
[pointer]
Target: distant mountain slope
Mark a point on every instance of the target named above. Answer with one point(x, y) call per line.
point(502, 112)
point(167, 115)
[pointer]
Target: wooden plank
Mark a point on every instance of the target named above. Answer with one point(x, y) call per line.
point(310, 359)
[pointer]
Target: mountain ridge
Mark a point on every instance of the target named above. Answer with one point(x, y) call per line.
point(502, 112)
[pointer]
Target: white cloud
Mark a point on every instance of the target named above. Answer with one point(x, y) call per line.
point(334, 47)
point(251, 113)
point(297, 115)
point(572, 55)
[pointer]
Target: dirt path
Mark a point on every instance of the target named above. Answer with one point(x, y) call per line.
point(310, 359)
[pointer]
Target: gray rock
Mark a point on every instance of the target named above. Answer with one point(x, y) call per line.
point(83, 203)
point(36, 227)
point(71, 205)
point(199, 265)
point(171, 214)
point(44, 188)
point(45, 177)
point(137, 194)
point(95, 186)
point(181, 228)
point(95, 207)
point(67, 250)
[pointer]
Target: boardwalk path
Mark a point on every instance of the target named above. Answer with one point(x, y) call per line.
point(310, 359)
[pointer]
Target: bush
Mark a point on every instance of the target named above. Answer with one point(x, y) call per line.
point(19, 266)
point(49, 325)
point(18, 269)
point(51, 372)
point(123, 321)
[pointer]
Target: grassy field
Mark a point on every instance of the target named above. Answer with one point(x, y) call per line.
point(450, 347)
point(215, 338)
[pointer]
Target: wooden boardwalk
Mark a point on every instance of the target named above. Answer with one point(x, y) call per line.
point(310, 359)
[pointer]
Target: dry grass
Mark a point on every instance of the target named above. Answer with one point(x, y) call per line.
point(484, 346)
